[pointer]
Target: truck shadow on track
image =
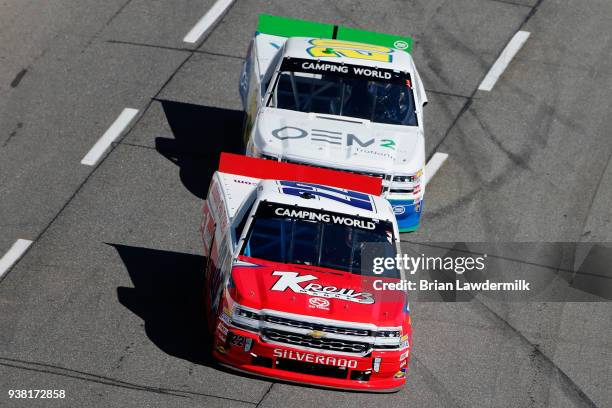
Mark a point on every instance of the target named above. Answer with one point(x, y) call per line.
point(168, 296)
point(201, 133)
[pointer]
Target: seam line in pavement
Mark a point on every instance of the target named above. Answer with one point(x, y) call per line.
point(110, 20)
point(100, 379)
point(136, 145)
point(464, 108)
point(106, 24)
point(433, 91)
point(592, 201)
point(165, 47)
point(511, 3)
point(263, 397)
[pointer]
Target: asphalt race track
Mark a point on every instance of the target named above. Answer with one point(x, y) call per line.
point(104, 304)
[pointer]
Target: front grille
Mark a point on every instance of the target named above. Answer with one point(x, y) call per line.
point(295, 339)
point(315, 326)
point(310, 368)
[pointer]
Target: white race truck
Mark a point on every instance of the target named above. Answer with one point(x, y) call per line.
point(340, 98)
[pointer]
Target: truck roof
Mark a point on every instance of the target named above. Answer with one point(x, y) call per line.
point(328, 198)
point(236, 188)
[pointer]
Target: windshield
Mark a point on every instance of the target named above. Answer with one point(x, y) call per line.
point(374, 94)
point(289, 234)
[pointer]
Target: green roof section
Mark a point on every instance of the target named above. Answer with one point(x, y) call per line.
point(292, 27)
point(370, 37)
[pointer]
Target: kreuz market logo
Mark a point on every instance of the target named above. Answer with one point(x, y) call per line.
point(295, 282)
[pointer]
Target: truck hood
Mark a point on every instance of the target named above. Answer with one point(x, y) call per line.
point(316, 292)
point(340, 142)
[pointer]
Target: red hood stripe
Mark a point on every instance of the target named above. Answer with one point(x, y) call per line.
point(270, 169)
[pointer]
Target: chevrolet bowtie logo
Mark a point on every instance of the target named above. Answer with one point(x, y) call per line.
point(316, 334)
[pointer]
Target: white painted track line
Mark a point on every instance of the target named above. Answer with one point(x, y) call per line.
point(433, 165)
point(209, 19)
point(112, 133)
point(504, 59)
point(14, 253)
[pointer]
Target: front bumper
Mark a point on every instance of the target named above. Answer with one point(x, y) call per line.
point(407, 213)
point(296, 365)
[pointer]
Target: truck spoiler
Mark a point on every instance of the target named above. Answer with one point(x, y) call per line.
point(274, 170)
point(291, 27)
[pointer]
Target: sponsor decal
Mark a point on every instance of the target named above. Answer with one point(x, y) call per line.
point(399, 375)
point(403, 363)
point(401, 44)
point(294, 282)
point(352, 139)
point(322, 66)
point(388, 143)
point(309, 66)
point(318, 303)
point(399, 209)
point(236, 340)
point(375, 153)
point(316, 359)
point(225, 318)
point(335, 138)
point(221, 328)
point(222, 337)
point(352, 198)
point(404, 355)
point(325, 47)
point(221, 349)
point(322, 217)
point(250, 183)
point(289, 132)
